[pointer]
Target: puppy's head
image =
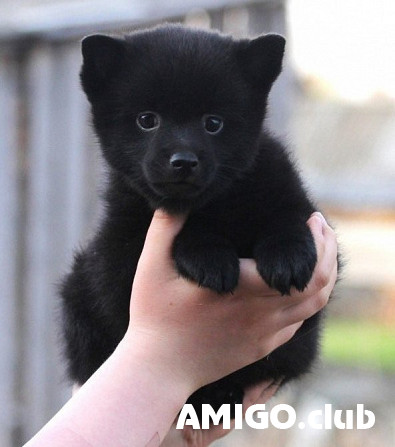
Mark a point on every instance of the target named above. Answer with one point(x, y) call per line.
point(179, 111)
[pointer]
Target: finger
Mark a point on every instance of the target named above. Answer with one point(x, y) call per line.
point(284, 335)
point(254, 392)
point(160, 236)
point(316, 224)
point(251, 281)
point(323, 235)
point(326, 244)
point(318, 219)
point(268, 393)
point(310, 306)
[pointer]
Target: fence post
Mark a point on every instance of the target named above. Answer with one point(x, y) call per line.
point(57, 214)
point(9, 244)
point(269, 17)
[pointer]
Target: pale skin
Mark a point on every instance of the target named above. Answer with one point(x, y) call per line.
point(178, 340)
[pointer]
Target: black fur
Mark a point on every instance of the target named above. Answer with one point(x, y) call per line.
point(242, 192)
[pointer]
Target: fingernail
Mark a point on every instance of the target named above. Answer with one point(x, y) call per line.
point(318, 214)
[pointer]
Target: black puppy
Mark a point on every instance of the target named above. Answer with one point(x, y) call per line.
point(179, 115)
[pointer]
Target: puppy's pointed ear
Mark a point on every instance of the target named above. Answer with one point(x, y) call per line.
point(102, 58)
point(261, 59)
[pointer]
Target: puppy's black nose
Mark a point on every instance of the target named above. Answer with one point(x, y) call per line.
point(184, 161)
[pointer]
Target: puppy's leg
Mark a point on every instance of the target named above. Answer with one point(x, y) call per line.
point(286, 258)
point(208, 259)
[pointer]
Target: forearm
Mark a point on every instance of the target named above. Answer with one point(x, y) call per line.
point(127, 402)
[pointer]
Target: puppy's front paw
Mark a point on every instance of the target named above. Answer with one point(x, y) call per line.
point(215, 267)
point(286, 260)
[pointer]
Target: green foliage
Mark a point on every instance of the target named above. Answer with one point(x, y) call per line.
point(359, 343)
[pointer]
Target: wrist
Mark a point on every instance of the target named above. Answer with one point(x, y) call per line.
point(161, 364)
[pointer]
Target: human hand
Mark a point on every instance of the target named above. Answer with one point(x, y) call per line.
point(185, 330)
point(188, 436)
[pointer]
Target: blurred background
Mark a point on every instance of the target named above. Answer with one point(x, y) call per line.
point(334, 105)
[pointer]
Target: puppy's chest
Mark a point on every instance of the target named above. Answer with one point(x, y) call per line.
point(237, 221)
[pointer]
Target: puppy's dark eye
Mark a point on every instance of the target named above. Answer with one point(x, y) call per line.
point(213, 124)
point(148, 120)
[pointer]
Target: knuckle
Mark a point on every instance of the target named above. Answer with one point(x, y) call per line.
point(320, 300)
point(294, 328)
point(287, 334)
point(270, 347)
point(321, 279)
point(264, 347)
point(260, 352)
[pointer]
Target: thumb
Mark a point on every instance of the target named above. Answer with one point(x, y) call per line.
point(158, 243)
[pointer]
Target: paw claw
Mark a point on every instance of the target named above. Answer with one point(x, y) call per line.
point(217, 270)
point(286, 264)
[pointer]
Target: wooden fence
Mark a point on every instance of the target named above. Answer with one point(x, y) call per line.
point(48, 184)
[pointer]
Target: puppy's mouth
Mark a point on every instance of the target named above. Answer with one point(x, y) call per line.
point(177, 189)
